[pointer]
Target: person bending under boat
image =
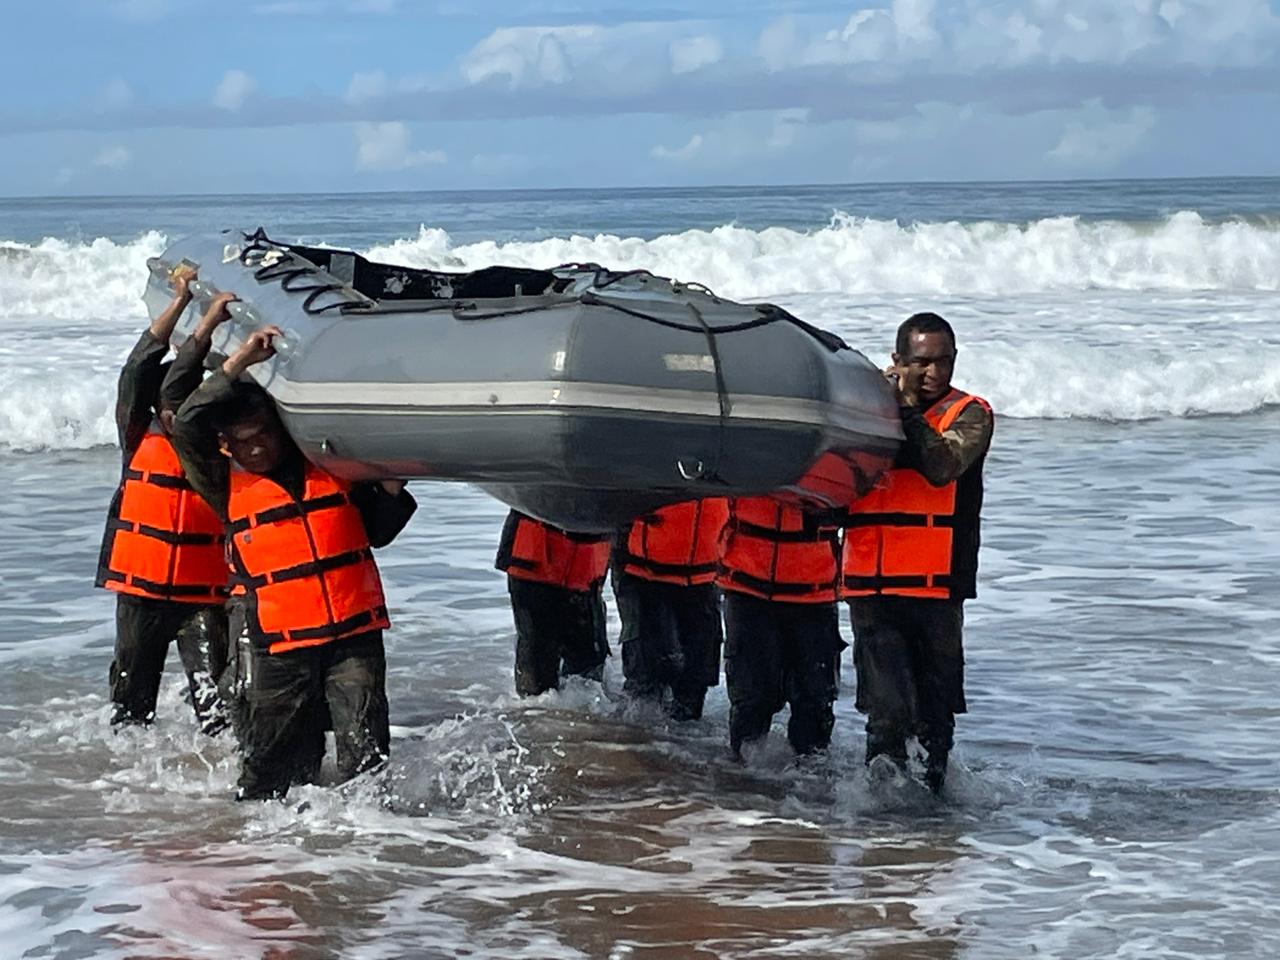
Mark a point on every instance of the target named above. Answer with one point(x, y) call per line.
point(300, 542)
point(556, 581)
point(911, 555)
point(779, 572)
point(664, 571)
point(162, 552)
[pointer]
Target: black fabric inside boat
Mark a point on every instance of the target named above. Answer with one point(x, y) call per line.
point(386, 282)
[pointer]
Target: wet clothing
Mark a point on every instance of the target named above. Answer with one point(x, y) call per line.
point(671, 638)
point(916, 534)
point(144, 629)
point(779, 654)
point(555, 579)
point(780, 573)
point(909, 659)
point(160, 556)
point(290, 696)
point(665, 567)
point(908, 649)
point(559, 633)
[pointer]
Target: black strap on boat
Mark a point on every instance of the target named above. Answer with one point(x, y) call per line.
point(722, 395)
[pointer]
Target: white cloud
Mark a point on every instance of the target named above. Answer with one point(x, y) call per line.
point(113, 158)
point(385, 147)
point(678, 153)
point(622, 59)
point(528, 56)
point(1007, 33)
point(693, 53)
point(233, 90)
point(1103, 137)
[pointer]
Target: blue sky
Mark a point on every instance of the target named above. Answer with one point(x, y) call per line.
point(168, 96)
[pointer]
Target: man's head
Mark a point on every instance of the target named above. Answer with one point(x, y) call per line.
point(927, 344)
point(252, 431)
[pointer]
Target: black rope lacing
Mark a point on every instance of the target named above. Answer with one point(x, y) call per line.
point(292, 269)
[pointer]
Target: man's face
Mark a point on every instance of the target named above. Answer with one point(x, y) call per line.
point(931, 357)
point(256, 444)
point(166, 418)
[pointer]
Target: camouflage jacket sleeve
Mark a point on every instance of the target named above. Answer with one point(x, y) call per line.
point(136, 390)
point(944, 457)
point(195, 438)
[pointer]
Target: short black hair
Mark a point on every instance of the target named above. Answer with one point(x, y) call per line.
point(922, 323)
point(248, 402)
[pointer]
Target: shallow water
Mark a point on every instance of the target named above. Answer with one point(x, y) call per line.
point(1114, 792)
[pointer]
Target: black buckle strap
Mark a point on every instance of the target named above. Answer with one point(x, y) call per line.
point(167, 480)
point(169, 537)
point(288, 511)
point(312, 568)
point(899, 520)
point(815, 535)
point(773, 588)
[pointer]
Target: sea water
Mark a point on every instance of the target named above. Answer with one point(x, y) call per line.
point(1115, 788)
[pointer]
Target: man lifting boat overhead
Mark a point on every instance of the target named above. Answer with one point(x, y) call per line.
point(310, 596)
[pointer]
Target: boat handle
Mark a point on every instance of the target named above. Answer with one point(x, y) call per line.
point(694, 474)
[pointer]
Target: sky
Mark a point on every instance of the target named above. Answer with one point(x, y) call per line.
point(197, 96)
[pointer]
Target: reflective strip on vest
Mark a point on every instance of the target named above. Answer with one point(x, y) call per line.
point(162, 540)
point(305, 565)
point(678, 544)
point(540, 553)
point(776, 551)
point(899, 539)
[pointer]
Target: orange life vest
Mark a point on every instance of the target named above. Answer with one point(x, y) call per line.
point(162, 540)
point(309, 573)
point(777, 551)
point(677, 544)
point(536, 551)
point(908, 538)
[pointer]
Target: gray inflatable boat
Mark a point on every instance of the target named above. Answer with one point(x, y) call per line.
point(577, 394)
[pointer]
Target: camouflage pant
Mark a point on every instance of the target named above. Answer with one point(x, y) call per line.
point(144, 630)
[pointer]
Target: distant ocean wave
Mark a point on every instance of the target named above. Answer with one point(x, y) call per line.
point(69, 311)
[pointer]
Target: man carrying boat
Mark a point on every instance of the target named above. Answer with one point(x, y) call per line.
point(162, 552)
point(311, 598)
point(664, 570)
point(556, 580)
point(780, 573)
point(911, 555)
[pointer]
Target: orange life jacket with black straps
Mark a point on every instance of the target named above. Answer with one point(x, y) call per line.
point(306, 565)
point(162, 540)
point(677, 544)
point(777, 551)
point(536, 551)
point(908, 538)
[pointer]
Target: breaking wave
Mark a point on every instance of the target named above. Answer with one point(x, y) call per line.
point(1060, 317)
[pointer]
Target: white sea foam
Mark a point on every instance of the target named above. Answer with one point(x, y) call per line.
point(1057, 318)
point(863, 256)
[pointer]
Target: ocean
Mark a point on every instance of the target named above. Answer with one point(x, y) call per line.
point(1115, 788)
